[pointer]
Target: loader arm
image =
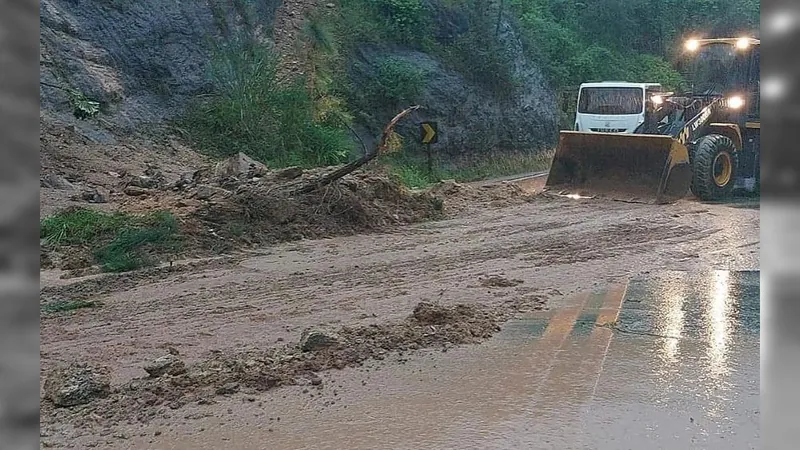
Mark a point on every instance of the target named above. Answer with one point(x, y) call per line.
point(696, 126)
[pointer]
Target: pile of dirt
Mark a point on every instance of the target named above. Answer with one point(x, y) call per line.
point(82, 165)
point(267, 210)
point(170, 383)
point(461, 196)
point(240, 202)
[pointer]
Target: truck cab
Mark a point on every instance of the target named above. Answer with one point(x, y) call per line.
point(613, 106)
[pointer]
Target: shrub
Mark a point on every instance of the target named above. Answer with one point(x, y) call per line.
point(251, 112)
point(396, 81)
point(405, 18)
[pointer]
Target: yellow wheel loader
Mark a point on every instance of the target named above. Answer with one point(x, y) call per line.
point(706, 141)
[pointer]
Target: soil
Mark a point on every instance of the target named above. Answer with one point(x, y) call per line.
point(430, 325)
point(389, 272)
point(237, 321)
point(237, 203)
point(89, 162)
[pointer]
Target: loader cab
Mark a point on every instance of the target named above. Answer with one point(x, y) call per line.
point(729, 69)
point(612, 106)
point(726, 68)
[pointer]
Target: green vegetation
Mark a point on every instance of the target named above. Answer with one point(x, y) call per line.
point(67, 305)
point(119, 242)
point(405, 18)
point(413, 172)
point(632, 40)
point(396, 82)
point(304, 121)
point(252, 112)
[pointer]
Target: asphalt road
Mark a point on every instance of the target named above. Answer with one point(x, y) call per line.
point(668, 361)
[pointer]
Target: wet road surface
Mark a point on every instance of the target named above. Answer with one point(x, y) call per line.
point(666, 362)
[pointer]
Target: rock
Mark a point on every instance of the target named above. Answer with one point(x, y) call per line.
point(447, 187)
point(330, 5)
point(54, 181)
point(186, 180)
point(136, 191)
point(315, 339)
point(76, 385)
point(240, 166)
point(95, 195)
point(228, 389)
point(145, 181)
point(289, 173)
point(168, 364)
point(207, 192)
point(476, 117)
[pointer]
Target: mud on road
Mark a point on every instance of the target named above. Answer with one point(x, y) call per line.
point(494, 262)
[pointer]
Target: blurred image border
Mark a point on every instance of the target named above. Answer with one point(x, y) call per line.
point(19, 211)
point(780, 223)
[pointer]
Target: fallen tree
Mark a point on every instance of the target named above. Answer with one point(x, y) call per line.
point(380, 149)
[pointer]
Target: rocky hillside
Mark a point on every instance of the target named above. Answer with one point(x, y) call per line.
point(141, 60)
point(144, 61)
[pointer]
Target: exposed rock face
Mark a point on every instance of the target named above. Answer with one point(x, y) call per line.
point(144, 60)
point(140, 59)
point(471, 119)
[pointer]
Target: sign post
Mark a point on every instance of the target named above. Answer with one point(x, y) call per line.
point(429, 134)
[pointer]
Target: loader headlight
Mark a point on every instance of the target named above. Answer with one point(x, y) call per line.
point(743, 43)
point(735, 102)
point(692, 45)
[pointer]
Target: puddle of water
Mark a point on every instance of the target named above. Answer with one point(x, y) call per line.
point(684, 374)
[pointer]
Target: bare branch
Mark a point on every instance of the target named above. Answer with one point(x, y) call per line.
point(349, 168)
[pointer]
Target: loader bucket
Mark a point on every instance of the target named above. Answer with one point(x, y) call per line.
point(629, 167)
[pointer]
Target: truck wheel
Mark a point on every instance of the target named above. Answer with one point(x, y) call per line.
point(715, 167)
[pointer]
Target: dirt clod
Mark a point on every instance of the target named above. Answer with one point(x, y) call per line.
point(55, 181)
point(167, 364)
point(228, 388)
point(430, 314)
point(75, 385)
point(289, 173)
point(146, 182)
point(499, 281)
point(95, 195)
point(137, 191)
point(207, 192)
point(240, 166)
point(316, 339)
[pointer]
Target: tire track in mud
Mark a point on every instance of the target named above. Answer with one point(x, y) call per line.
point(253, 299)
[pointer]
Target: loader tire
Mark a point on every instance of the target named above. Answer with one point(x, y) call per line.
point(714, 168)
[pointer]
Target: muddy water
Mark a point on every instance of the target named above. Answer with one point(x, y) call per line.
point(668, 362)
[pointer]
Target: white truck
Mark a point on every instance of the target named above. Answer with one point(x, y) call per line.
point(614, 106)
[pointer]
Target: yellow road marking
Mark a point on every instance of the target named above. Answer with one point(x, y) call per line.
point(611, 305)
point(575, 374)
point(561, 324)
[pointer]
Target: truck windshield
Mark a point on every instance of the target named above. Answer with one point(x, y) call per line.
point(611, 100)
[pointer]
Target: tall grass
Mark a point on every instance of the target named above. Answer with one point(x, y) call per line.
point(254, 112)
point(118, 242)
